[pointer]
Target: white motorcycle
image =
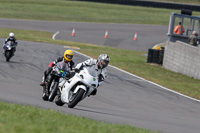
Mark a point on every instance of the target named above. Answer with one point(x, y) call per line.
point(77, 88)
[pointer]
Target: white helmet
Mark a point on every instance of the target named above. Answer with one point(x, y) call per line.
point(11, 34)
point(103, 60)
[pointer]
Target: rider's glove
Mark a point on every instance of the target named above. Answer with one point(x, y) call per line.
point(67, 74)
point(77, 70)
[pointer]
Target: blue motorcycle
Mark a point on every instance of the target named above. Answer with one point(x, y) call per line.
point(9, 50)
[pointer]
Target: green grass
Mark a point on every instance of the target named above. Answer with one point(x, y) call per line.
point(66, 10)
point(131, 61)
point(27, 119)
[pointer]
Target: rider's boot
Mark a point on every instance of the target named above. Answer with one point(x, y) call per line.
point(94, 92)
point(46, 72)
point(43, 81)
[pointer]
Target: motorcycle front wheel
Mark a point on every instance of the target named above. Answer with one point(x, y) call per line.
point(58, 101)
point(45, 95)
point(8, 55)
point(53, 92)
point(75, 98)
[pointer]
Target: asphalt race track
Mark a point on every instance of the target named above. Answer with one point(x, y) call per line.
point(122, 99)
point(119, 35)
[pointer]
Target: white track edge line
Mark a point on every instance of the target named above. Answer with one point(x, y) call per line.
point(145, 80)
point(54, 35)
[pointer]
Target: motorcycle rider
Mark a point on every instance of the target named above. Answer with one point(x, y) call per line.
point(67, 58)
point(96, 66)
point(12, 39)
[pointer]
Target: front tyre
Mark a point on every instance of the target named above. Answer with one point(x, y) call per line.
point(8, 55)
point(45, 96)
point(53, 92)
point(76, 98)
point(58, 101)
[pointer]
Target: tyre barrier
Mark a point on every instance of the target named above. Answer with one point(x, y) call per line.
point(155, 56)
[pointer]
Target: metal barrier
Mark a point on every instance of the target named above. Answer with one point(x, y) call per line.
point(188, 24)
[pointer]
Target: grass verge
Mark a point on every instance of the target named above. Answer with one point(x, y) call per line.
point(128, 60)
point(27, 119)
point(80, 11)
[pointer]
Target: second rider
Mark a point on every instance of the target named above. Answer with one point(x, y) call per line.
point(67, 58)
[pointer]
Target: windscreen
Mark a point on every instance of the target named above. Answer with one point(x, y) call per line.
point(63, 66)
point(92, 71)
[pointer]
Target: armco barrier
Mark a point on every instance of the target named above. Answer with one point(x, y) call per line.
point(150, 4)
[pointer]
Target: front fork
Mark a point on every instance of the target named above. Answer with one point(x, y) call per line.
point(48, 82)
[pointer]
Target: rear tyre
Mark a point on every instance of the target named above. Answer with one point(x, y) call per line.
point(76, 98)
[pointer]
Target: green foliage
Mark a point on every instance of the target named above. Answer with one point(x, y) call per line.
point(27, 119)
